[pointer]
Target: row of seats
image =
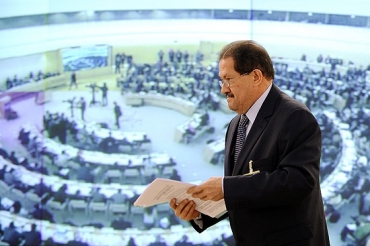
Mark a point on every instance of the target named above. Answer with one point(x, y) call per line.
point(109, 236)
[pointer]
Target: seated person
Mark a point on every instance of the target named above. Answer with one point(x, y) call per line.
point(13, 159)
point(24, 137)
point(84, 173)
point(119, 197)
point(96, 196)
point(168, 221)
point(204, 119)
point(31, 238)
point(120, 223)
point(39, 212)
point(190, 129)
point(150, 217)
point(61, 194)
point(40, 168)
point(175, 175)
point(108, 144)
point(150, 171)
point(16, 208)
point(40, 189)
point(77, 196)
point(133, 199)
point(11, 235)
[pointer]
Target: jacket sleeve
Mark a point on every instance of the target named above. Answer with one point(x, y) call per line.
point(207, 222)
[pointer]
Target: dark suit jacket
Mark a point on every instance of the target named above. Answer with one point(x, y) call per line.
point(282, 205)
point(31, 238)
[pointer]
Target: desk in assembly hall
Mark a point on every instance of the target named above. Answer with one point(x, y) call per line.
point(155, 99)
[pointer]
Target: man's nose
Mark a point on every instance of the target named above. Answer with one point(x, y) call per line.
point(224, 89)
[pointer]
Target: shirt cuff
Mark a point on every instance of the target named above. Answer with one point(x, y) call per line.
point(199, 221)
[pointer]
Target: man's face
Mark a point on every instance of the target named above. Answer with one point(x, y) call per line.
point(240, 94)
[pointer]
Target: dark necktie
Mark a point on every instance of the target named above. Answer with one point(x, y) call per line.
point(241, 135)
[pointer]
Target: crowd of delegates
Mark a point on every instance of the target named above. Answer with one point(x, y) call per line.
point(188, 80)
point(120, 60)
point(15, 81)
point(66, 130)
point(83, 172)
point(40, 210)
point(77, 168)
point(347, 94)
point(331, 145)
point(350, 88)
point(318, 86)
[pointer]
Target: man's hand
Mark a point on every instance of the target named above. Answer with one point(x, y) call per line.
point(209, 190)
point(185, 210)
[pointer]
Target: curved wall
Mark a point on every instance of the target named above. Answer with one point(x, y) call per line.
point(23, 7)
point(32, 49)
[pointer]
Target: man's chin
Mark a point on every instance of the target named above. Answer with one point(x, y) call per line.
point(231, 105)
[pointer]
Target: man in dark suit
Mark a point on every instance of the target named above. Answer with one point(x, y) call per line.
point(104, 91)
point(117, 114)
point(11, 235)
point(73, 81)
point(280, 202)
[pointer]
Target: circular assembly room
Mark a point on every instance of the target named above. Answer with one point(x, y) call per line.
point(100, 98)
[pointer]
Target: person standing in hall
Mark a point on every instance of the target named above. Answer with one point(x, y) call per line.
point(118, 63)
point(104, 91)
point(82, 104)
point(117, 113)
point(271, 184)
point(73, 81)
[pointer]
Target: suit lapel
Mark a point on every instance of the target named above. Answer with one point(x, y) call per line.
point(257, 129)
point(230, 146)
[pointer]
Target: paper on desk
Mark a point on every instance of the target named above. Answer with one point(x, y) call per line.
point(163, 190)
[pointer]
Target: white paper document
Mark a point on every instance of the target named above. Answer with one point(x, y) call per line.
point(163, 190)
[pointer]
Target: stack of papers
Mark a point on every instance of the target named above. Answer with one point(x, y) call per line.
point(163, 190)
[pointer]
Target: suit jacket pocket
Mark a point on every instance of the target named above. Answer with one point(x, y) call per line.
point(289, 235)
point(264, 165)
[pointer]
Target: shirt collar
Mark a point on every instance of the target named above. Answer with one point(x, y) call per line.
point(253, 111)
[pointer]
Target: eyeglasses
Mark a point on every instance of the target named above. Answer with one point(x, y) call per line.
point(227, 81)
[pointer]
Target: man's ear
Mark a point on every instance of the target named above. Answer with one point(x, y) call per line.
point(257, 76)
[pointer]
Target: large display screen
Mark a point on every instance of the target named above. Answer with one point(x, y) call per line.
point(83, 58)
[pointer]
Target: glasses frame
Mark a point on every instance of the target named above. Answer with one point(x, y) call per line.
point(226, 82)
